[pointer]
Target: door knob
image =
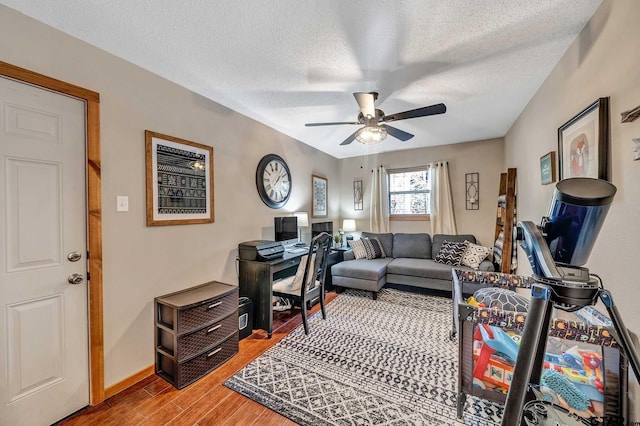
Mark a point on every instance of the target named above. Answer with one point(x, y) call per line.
point(74, 256)
point(75, 279)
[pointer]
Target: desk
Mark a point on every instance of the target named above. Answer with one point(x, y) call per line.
point(256, 280)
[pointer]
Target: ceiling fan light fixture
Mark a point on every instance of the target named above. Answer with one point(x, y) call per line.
point(371, 135)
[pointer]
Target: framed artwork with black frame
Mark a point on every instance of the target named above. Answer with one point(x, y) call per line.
point(583, 143)
point(357, 195)
point(319, 196)
point(179, 181)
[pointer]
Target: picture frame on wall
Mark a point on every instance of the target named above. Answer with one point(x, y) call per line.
point(179, 175)
point(548, 168)
point(583, 143)
point(358, 200)
point(319, 196)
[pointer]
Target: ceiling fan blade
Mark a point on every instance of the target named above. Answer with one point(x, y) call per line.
point(397, 133)
point(366, 101)
point(419, 112)
point(335, 123)
point(350, 139)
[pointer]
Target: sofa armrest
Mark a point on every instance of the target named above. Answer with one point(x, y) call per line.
point(486, 266)
point(348, 255)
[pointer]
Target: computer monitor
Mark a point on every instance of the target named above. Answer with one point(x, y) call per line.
point(286, 230)
point(320, 227)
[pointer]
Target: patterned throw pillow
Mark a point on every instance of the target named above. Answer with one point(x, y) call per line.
point(502, 298)
point(474, 255)
point(451, 252)
point(358, 249)
point(373, 247)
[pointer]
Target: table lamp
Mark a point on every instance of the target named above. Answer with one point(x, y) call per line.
point(303, 222)
point(349, 225)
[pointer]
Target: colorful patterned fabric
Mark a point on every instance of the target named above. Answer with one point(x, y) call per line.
point(510, 320)
point(451, 252)
point(561, 328)
point(496, 279)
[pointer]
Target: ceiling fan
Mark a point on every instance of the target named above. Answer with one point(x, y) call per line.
point(374, 130)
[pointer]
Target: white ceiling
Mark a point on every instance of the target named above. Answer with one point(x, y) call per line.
point(285, 63)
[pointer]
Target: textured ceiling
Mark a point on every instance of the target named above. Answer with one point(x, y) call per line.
point(289, 62)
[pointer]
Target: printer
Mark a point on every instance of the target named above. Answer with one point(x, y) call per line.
point(260, 250)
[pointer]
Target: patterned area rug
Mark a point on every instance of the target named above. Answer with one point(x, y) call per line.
point(385, 361)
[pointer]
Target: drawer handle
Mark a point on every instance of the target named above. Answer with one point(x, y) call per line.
point(214, 352)
point(214, 328)
point(214, 305)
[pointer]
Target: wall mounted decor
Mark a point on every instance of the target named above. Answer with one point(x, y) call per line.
point(548, 168)
point(319, 194)
point(472, 189)
point(179, 181)
point(630, 115)
point(636, 149)
point(583, 143)
point(357, 195)
point(273, 181)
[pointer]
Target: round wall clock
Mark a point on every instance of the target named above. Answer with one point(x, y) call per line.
point(273, 181)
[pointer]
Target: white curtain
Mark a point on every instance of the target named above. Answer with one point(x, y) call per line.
point(379, 216)
point(443, 220)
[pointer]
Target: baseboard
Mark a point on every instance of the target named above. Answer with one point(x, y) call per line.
point(129, 381)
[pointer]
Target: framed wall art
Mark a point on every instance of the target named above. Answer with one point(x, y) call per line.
point(319, 196)
point(179, 181)
point(548, 168)
point(472, 189)
point(357, 195)
point(583, 143)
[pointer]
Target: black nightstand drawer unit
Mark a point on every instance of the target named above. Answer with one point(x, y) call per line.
point(196, 330)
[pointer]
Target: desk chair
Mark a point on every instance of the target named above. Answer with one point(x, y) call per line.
point(308, 282)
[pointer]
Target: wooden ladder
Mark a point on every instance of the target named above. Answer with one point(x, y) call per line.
point(505, 217)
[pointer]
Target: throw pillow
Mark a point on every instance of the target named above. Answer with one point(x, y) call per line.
point(502, 298)
point(373, 247)
point(358, 249)
point(451, 252)
point(474, 255)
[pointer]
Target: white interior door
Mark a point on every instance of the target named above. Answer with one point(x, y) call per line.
point(44, 354)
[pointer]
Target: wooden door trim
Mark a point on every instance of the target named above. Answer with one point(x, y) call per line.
point(94, 213)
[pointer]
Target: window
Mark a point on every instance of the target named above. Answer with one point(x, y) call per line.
point(409, 193)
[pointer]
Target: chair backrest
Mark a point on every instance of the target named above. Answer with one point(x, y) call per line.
point(316, 267)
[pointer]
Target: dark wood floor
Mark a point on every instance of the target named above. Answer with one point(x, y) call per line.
point(153, 401)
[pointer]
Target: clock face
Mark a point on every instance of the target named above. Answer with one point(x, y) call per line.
point(273, 181)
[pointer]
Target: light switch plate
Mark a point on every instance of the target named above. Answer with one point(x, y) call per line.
point(122, 203)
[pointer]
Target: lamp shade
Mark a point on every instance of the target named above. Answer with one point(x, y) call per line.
point(349, 225)
point(371, 135)
point(303, 219)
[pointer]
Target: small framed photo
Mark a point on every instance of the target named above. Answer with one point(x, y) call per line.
point(357, 195)
point(319, 194)
point(548, 168)
point(179, 181)
point(583, 143)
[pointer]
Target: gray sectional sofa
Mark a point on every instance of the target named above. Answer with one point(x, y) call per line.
point(410, 261)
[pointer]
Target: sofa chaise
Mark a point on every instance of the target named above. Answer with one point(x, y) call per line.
point(409, 261)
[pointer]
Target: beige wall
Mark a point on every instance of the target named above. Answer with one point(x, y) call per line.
point(485, 157)
point(603, 61)
point(142, 262)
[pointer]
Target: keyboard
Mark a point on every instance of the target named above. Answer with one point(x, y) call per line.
point(298, 250)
